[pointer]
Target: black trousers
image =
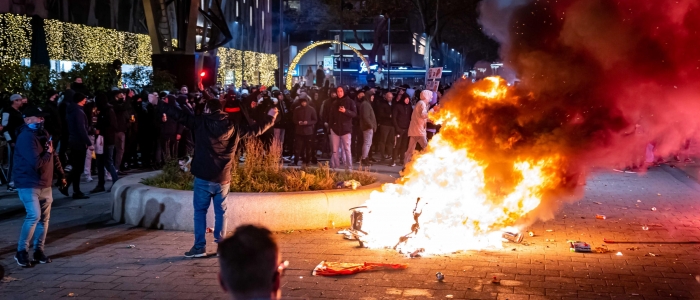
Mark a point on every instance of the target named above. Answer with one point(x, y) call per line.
point(77, 161)
point(401, 145)
point(304, 148)
point(385, 140)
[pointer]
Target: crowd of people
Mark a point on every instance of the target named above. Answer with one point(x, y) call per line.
point(76, 134)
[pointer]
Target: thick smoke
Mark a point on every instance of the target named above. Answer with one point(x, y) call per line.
point(600, 80)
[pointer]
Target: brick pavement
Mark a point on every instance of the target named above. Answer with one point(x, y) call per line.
point(91, 258)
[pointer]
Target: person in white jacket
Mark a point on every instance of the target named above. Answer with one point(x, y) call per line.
point(417, 133)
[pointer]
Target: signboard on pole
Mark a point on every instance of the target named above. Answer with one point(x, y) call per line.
point(432, 85)
point(434, 73)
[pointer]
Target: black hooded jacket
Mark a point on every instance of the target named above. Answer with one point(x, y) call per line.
point(401, 116)
point(341, 123)
point(77, 126)
point(216, 137)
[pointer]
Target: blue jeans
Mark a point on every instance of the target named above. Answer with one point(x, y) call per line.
point(204, 193)
point(342, 142)
point(105, 161)
point(37, 202)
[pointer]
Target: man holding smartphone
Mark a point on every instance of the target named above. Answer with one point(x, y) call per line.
point(340, 118)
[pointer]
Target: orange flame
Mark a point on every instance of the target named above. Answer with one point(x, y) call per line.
point(459, 209)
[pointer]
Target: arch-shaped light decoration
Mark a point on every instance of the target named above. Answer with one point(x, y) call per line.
point(296, 59)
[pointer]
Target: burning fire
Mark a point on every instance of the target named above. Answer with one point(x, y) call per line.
point(449, 198)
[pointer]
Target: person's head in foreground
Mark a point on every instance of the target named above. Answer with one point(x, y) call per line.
point(250, 266)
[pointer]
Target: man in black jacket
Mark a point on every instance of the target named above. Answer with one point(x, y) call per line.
point(11, 121)
point(35, 164)
point(401, 116)
point(216, 137)
point(304, 122)
point(340, 117)
point(122, 109)
point(106, 118)
point(385, 141)
point(78, 140)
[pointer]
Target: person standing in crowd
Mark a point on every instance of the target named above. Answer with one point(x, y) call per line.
point(122, 110)
point(186, 143)
point(249, 264)
point(340, 118)
point(379, 77)
point(54, 126)
point(130, 158)
point(304, 121)
point(282, 119)
point(320, 76)
point(368, 125)
point(324, 114)
point(170, 133)
point(216, 137)
point(385, 141)
point(417, 130)
point(401, 113)
point(147, 137)
point(11, 121)
point(35, 164)
point(106, 118)
point(356, 139)
point(78, 140)
point(371, 79)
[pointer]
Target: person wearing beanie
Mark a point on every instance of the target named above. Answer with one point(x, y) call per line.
point(78, 140)
point(417, 130)
point(11, 121)
point(304, 120)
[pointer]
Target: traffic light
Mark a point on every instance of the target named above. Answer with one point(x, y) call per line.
point(203, 74)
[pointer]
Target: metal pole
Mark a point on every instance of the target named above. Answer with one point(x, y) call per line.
point(340, 61)
point(388, 70)
point(281, 58)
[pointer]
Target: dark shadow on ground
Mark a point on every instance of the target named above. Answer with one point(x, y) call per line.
point(114, 238)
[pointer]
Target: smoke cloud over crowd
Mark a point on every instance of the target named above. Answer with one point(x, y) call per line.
point(599, 81)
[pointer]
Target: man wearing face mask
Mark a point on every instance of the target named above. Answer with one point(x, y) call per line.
point(216, 137)
point(35, 164)
point(122, 110)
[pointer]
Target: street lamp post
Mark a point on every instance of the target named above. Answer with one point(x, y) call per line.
point(388, 69)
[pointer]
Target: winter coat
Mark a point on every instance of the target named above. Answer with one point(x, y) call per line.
point(106, 118)
point(308, 114)
point(77, 126)
point(12, 120)
point(401, 116)
point(216, 137)
point(33, 165)
point(341, 123)
point(52, 122)
point(367, 118)
point(383, 112)
point(419, 119)
point(320, 77)
point(122, 109)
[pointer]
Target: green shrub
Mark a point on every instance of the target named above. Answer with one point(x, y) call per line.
point(263, 172)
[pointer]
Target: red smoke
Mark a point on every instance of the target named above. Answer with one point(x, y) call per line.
point(616, 75)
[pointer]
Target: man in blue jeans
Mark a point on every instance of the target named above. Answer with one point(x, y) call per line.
point(211, 165)
point(35, 164)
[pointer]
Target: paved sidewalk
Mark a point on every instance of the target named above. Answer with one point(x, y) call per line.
point(92, 258)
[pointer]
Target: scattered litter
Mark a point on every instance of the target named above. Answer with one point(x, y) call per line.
point(651, 254)
point(439, 276)
point(579, 246)
point(653, 209)
point(336, 268)
point(619, 254)
point(659, 194)
point(603, 249)
point(549, 230)
point(353, 184)
point(633, 248)
point(697, 278)
point(449, 296)
point(131, 246)
point(549, 240)
point(496, 280)
point(288, 231)
point(600, 217)
point(596, 202)
point(645, 227)
point(530, 233)
point(639, 201)
point(417, 253)
point(325, 228)
point(513, 237)
point(71, 294)
point(635, 294)
point(9, 279)
point(210, 230)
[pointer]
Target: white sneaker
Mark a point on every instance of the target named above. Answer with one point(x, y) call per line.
point(88, 179)
point(108, 177)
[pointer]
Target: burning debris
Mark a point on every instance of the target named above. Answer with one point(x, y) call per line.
point(326, 268)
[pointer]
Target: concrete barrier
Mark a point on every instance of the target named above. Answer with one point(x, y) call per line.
point(146, 206)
